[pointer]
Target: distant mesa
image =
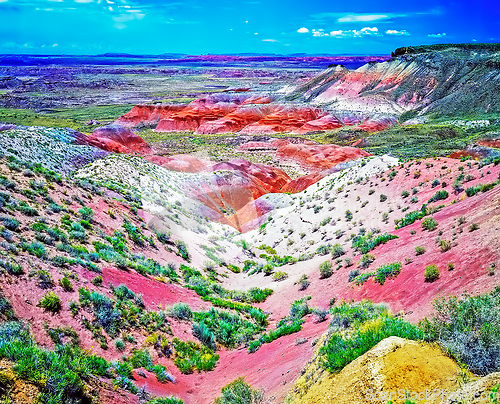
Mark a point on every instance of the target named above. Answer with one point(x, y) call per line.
point(246, 114)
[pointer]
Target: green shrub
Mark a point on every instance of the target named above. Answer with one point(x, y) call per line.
point(468, 329)
point(387, 271)
point(362, 278)
point(366, 260)
point(303, 282)
point(97, 281)
point(240, 392)
point(60, 374)
point(44, 279)
point(256, 295)
point(180, 311)
point(183, 250)
point(51, 302)
point(419, 250)
point(86, 213)
point(35, 248)
point(431, 273)
point(204, 335)
point(429, 223)
point(383, 198)
point(348, 215)
point(337, 251)
point(66, 284)
point(439, 195)
point(11, 266)
point(368, 242)
point(444, 245)
point(473, 227)
point(323, 250)
point(325, 270)
point(10, 223)
point(166, 400)
point(279, 276)
point(190, 356)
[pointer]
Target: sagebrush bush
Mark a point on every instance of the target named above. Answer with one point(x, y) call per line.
point(303, 282)
point(240, 392)
point(325, 270)
point(468, 329)
point(180, 311)
point(337, 251)
point(429, 223)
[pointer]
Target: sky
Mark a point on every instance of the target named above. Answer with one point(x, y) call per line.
point(359, 27)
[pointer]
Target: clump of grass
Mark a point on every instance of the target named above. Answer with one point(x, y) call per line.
point(429, 223)
point(51, 302)
point(66, 284)
point(439, 195)
point(279, 276)
point(366, 260)
point(337, 251)
point(431, 273)
point(366, 243)
point(444, 245)
point(419, 250)
point(303, 282)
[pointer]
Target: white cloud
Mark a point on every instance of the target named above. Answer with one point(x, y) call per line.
point(84, 1)
point(337, 33)
point(269, 40)
point(403, 32)
point(320, 32)
point(371, 31)
point(437, 35)
point(303, 30)
point(362, 17)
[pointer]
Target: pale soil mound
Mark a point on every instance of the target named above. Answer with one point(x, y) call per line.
point(393, 364)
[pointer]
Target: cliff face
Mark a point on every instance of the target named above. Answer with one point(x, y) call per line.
point(449, 82)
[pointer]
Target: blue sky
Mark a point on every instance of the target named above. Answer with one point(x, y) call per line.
point(231, 26)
